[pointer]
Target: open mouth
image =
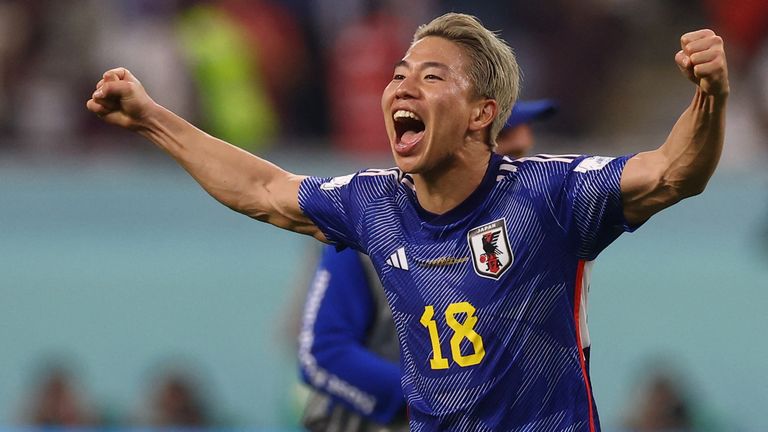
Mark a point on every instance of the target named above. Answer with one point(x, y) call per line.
point(409, 128)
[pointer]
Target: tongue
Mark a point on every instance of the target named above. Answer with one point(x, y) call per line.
point(411, 137)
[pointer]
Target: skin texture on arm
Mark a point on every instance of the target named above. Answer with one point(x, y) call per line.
point(682, 166)
point(234, 177)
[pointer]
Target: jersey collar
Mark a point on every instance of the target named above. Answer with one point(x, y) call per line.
point(472, 202)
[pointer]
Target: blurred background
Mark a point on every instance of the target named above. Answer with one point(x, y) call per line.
point(129, 298)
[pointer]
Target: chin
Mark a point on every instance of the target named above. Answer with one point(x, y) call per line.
point(412, 162)
point(404, 164)
point(408, 164)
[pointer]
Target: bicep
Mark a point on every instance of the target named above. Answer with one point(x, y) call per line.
point(646, 188)
point(278, 204)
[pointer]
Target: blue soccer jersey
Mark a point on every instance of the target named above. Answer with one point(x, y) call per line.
point(488, 298)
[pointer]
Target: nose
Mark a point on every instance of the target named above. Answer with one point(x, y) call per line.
point(406, 89)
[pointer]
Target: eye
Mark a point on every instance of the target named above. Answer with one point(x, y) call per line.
point(432, 77)
point(398, 77)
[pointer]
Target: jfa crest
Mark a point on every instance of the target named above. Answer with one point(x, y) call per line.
point(491, 254)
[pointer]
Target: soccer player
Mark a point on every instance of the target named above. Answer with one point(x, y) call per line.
point(483, 259)
point(347, 329)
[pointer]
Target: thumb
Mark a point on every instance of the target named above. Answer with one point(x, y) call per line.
point(685, 65)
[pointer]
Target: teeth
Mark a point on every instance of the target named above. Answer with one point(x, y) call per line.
point(405, 114)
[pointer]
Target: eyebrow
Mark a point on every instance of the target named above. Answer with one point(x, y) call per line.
point(425, 65)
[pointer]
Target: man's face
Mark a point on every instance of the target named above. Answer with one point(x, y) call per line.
point(428, 105)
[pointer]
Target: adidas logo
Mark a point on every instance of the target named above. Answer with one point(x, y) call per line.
point(397, 259)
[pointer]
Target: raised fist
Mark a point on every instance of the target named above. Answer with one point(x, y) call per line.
point(120, 99)
point(702, 60)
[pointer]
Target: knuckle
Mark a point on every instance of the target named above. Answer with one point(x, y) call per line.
point(720, 63)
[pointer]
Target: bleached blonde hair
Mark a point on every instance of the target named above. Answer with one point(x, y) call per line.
point(493, 70)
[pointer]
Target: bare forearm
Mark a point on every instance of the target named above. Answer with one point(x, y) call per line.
point(234, 177)
point(222, 169)
point(238, 179)
point(693, 148)
point(682, 166)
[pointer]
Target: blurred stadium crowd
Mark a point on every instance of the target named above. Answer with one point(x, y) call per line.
point(280, 75)
point(177, 398)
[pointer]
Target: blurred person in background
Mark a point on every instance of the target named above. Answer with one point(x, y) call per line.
point(518, 314)
point(58, 401)
point(516, 138)
point(40, 79)
point(177, 400)
point(661, 405)
point(178, 403)
point(150, 33)
point(359, 61)
point(745, 24)
point(15, 34)
point(228, 74)
point(664, 401)
point(276, 41)
point(347, 332)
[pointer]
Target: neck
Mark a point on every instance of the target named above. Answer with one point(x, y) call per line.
point(449, 184)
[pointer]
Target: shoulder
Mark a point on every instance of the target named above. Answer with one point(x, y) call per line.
point(547, 162)
point(567, 162)
point(372, 177)
point(534, 169)
point(363, 185)
point(556, 168)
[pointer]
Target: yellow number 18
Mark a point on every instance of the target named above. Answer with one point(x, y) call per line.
point(461, 331)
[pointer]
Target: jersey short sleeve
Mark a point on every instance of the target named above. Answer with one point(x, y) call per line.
point(326, 202)
point(590, 205)
point(338, 205)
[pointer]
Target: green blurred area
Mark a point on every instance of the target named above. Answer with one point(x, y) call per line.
point(233, 98)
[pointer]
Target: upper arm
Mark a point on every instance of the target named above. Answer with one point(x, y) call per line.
point(289, 214)
point(277, 202)
point(646, 187)
point(682, 166)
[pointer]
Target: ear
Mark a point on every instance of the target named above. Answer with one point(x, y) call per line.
point(483, 114)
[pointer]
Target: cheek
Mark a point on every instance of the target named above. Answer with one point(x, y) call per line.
point(451, 116)
point(386, 102)
point(387, 96)
point(454, 104)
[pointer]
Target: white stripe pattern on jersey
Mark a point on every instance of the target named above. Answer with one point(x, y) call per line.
point(547, 158)
point(398, 260)
point(377, 172)
point(532, 301)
